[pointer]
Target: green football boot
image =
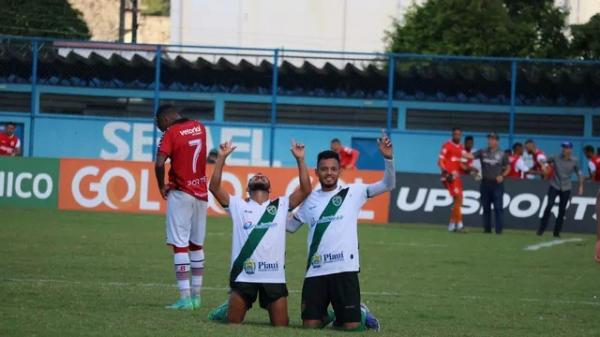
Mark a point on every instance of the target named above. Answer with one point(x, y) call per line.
point(182, 304)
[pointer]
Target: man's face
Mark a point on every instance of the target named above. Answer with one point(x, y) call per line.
point(589, 154)
point(162, 123)
point(328, 171)
point(336, 146)
point(456, 136)
point(566, 151)
point(469, 144)
point(9, 129)
point(518, 150)
point(259, 182)
point(530, 148)
point(492, 142)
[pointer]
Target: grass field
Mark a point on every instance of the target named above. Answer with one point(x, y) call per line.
point(100, 274)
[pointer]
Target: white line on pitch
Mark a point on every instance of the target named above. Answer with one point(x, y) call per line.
point(294, 291)
point(551, 243)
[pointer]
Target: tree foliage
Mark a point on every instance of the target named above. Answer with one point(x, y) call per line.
point(46, 18)
point(528, 28)
point(586, 39)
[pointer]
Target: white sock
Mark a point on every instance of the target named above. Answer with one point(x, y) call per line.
point(197, 263)
point(459, 225)
point(182, 273)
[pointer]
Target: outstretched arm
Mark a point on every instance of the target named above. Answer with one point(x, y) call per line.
point(215, 185)
point(388, 182)
point(300, 194)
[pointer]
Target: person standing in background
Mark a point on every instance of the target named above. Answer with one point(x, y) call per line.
point(494, 167)
point(593, 163)
point(348, 155)
point(10, 144)
point(539, 160)
point(563, 166)
point(516, 163)
point(451, 164)
point(471, 166)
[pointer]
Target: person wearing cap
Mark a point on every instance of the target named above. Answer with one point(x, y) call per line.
point(494, 167)
point(563, 167)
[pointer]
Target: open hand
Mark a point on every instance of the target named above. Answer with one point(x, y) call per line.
point(385, 145)
point(226, 148)
point(297, 150)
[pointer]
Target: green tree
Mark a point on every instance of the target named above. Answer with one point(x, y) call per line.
point(586, 39)
point(481, 27)
point(46, 18)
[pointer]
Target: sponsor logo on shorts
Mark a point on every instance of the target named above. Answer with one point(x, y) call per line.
point(249, 266)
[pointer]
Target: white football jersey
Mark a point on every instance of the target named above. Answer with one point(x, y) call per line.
point(266, 262)
point(337, 250)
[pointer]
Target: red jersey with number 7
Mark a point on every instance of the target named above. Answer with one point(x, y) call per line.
point(184, 142)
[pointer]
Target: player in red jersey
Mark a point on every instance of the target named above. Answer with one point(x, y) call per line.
point(348, 155)
point(594, 163)
point(539, 160)
point(184, 142)
point(516, 163)
point(450, 162)
point(10, 144)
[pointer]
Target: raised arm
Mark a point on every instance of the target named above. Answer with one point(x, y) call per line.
point(298, 196)
point(388, 182)
point(215, 187)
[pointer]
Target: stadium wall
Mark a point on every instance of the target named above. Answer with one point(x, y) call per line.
point(128, 186)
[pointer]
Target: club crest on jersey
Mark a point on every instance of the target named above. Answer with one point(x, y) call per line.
point(249, 266)
point(247, 225)
point(316, 261)
point(336, 201)
point(272, 209)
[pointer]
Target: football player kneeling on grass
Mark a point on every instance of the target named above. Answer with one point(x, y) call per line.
point(333, 263)
point(258, 247)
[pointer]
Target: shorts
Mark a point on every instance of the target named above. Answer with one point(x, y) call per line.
point(267, 293)
point(186, 219)
point(455, 187)
point(342, 290)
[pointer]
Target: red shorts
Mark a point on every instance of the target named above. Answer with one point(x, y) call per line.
point(455, 187)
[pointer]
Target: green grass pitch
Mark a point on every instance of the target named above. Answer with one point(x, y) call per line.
point(101, 274)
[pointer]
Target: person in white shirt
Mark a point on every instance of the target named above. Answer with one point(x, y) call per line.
point(258, 245)
point(332, 267)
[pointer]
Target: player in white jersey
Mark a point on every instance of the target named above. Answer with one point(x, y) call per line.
point(333, 257)
point(258, 245)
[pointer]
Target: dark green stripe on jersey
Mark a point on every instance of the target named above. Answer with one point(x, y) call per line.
point(330, 210)
point(254, 239)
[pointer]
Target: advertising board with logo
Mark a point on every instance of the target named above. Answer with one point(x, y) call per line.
point(28, 182)
point(420, 198)
point(103, 185)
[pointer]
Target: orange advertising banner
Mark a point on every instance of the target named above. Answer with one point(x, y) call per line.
point(122, 186)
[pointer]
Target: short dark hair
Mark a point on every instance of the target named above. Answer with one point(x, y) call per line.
point(456, 128)
point(327, 154)
point(516, 145)
point(336, 140)
point(589, 148)
point(11, 123)
point(529, 141)
point(468, 138)
point(166, 109)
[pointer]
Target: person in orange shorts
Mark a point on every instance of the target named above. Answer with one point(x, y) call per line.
point(450, 163)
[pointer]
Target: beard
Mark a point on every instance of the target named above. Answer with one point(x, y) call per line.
point(259, 186)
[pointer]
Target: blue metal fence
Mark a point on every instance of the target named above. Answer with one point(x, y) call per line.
point(391, 103)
